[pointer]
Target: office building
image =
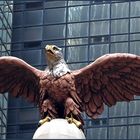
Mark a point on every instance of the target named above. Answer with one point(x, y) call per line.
point(84, 30)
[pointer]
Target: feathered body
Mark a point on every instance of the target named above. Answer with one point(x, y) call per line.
point(58, 87)
point(57, 91)
point(60, 92)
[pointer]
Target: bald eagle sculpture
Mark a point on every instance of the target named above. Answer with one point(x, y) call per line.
point(62, 93)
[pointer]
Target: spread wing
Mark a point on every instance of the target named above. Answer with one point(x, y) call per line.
point(111, 78)
point(19, 78)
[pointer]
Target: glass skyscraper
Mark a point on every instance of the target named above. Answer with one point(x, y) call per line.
point(85, 30)
point(6, 7)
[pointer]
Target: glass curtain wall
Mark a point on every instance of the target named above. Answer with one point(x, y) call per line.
point(85, 30)
point(5, 47)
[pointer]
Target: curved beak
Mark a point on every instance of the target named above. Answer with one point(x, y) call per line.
point(49, 49)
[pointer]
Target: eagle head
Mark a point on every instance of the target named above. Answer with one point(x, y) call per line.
point(53, 53)
point(56, 63)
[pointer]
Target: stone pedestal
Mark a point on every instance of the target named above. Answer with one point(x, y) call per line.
point(58, 129)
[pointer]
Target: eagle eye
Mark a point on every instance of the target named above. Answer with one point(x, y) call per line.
point(55, 48)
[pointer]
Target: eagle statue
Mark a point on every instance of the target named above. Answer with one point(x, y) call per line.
point(62, 93)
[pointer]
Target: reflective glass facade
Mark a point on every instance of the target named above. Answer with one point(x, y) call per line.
point(5, 47)
point(84, 30)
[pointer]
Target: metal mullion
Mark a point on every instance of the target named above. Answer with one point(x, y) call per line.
point(104, 126)
point(119, 117)
point(68, 6)
point(17, 133)
point(89, 33)
point(88, 53)
point(119, 1)
point(23, 123)
point(41, 48)
point(108, 115)
point(16, 108)
point(128, 52)
point(76, 22)
point(66, 30)
point(100, 3)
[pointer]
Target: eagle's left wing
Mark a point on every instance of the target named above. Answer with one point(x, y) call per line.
point(110, 78)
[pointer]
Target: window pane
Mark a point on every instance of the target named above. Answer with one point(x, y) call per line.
point(97, 122)
point(32, 33)
point(17, 35)
point(135, 8)
point(13, 116)
point(118, 132)
point(25, 135)
point(80, 13)
point(118, 38)
point(134, 36)
point(12, 102)
point(54, 32)
point(12, 129)
point(120, 109)
point(99, 39)
point(100, 11)
point(49, 4)
point(119, 47)
point(77, 66)
point(32, 57)
point(105, 113)
point(134, 120)
point(119, 10)
point(77, 41)
point(28, 127)
point(24, 103)
point(27, 115)
point(134, 132)
point(100, 1)
point(19, 16)
point(118, 121)
point(58, 43)
point(77, 30)
point(55, 15)
point(75, 54)
point(134, 25)
point(134, 108)
point(17, 46)
point(119, 26)
point(18, 7)
point(78, 2)
point(32, 44)
point(98, 50)
point(99, 28)
point(33, 5)
point(97, 133)
point(33, 17)
point(135, 47)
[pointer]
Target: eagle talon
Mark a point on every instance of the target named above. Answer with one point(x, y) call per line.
point(76, 122)
point(47, 119)
point(69, 120)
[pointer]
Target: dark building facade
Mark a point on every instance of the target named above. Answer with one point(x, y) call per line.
point(84, 30)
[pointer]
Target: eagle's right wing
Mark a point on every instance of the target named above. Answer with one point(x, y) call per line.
point(19, 78)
